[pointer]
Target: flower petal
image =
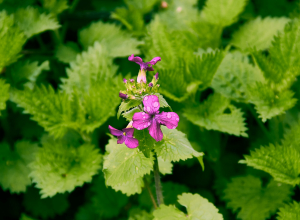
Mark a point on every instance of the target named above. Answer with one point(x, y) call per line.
point(141, 120)
point(121, 139)
point(137, 60)
point(149, 68)
point(114, 131)
point(151, 104)
point(169, 119)
point(154, 60)
point(128, 131)
point(131, 142)
point(155, 131)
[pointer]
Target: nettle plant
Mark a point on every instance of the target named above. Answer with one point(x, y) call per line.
point(79, 140)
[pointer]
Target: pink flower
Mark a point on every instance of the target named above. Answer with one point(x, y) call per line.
point(126, 135)
point(152, 119)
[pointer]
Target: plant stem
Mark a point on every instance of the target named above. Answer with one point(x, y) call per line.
point(158, 189)
point(261, 125)
point(150, 193)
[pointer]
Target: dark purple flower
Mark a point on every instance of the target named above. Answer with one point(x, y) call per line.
point(132, 80)
point(123, 96)
point(150, 85)
point(156, 76)
point(143, 65)
point(152, 119)
point(126, 135)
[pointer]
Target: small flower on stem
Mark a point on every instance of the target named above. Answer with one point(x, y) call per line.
point(152, 119)
point(156, 76)
point(132, 80)
point(150, 84)
point(144, 66)
point(126, 135)
point(125, 80)
point(123, 96)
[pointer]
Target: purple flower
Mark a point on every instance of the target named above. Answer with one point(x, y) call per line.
point(150, 85)
point(123, 96)
point(126, 135)
point(131, 80)
point(143, 65)
point(152, 119)
point(125, 80)
point(156, 76)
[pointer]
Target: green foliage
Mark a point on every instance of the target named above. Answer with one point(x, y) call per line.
point(117, 42)
point(32, 22)
point(138, 214)
point(59, 166)
point(234, 76)
point(44, 208)
point(25, 73)
point(175, 146)
point(213, 115)
point(197, 208)
point(222, 13)
point(4, 94)
point(119, 158)
point(16, 161)
point(258, 33)
point(251, 200)
point(67, 53)
point(127, 106)
point(282, 162)
point(146, 142)
point(12, 40)
point(106, 201)
point(168, 213)
point(55, 6)
point(289, 212)
point(25, 217)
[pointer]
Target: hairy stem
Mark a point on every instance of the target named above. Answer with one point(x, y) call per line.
point(150, 193)
point(261, 125)
point(158, 188)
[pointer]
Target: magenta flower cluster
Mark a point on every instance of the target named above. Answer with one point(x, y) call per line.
point(149, 118)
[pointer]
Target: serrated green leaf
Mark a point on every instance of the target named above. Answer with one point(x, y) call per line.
point(13, 165)
point(67, 53)
point(258, 33)
point(131, 187)
point(204, 67)
point(90, 67)
point(199, 207)
point(282, 162)
point(163, 103)
point(12, 40)
point(138, 214)
point(213, 116)
point(44, 208)
point(146, 142)
point(290, 211)
point(126, 105)
point(25, 73)
point(59, 167)
point(175, 146)
point(129, 114)
point(117, 42)
point(246, 196)
point(234, 76)
point(4, 94)
point(106, 201)
point(119, 158)
point(222, 13)
point(32, 22)
point(142, 6)
point(168, 213)
point(165, 166)
point(55, 6)
point(269, 102)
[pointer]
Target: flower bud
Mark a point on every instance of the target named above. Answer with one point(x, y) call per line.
point(164, 4)
point(122, 95)
point(150, 84)
point(132, 80)
point(142, 76)
point(156, 76)
point(125, 80)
